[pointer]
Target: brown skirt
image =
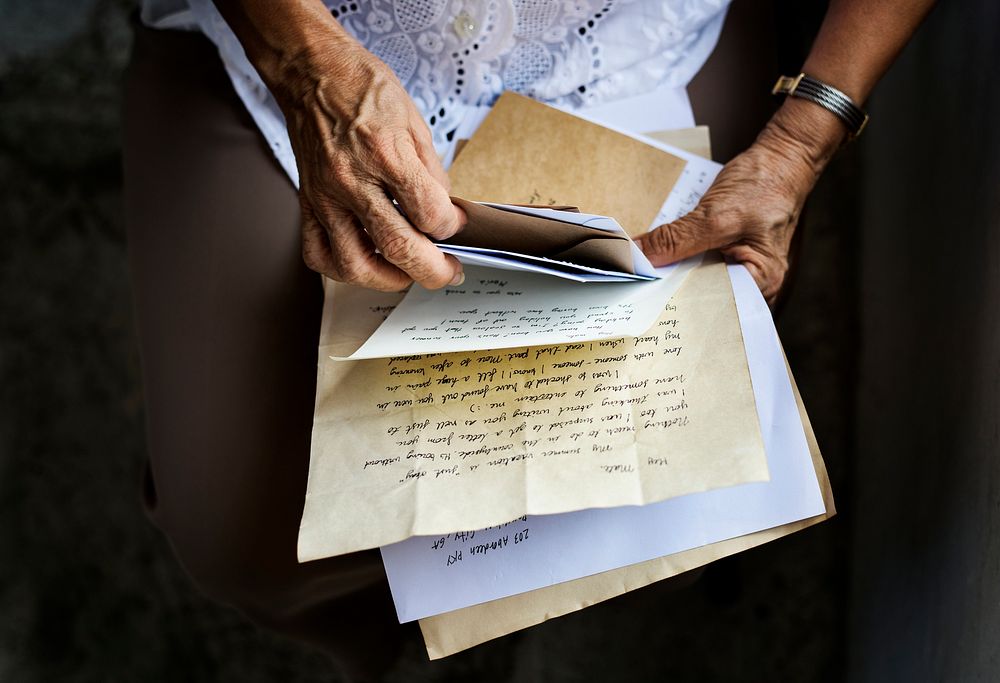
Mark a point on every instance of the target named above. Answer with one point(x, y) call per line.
point(228, 320)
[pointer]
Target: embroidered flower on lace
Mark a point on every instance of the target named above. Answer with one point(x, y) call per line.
point(430, 42)
point(379, 21)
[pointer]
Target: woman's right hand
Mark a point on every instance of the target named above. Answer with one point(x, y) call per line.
point(359, 143)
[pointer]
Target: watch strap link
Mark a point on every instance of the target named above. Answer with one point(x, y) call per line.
point(826, 96)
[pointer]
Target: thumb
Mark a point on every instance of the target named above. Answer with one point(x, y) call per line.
point(687, 236)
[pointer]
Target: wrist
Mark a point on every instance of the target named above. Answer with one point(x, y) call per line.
point(804, 132)
point(292, 45)
point(295, 76)
point(295, 69)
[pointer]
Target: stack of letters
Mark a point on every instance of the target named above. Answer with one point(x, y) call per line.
point(570, 423)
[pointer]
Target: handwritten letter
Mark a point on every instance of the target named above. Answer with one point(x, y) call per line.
point(503, 309)
point(435, 575)
point(433, 444)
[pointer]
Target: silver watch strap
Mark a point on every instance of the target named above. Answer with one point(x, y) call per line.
point(826, 96)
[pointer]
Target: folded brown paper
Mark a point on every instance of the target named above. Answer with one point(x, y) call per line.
point(488, 227)
point(526, 152)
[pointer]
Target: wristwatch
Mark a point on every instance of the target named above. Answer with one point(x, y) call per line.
point(826, 96)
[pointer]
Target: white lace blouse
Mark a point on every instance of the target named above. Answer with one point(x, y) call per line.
point(456, 56)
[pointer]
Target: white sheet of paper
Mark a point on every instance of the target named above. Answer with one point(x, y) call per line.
point(505, 260)
point(496, 309)
point(695, 180)
point(432, 575)
point(659, 109)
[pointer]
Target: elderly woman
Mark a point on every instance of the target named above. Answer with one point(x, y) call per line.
point(358, 101)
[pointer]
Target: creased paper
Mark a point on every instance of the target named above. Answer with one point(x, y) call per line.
point(419, 445)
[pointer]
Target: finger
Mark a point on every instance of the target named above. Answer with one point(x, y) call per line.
point(316, 244)
point(404, 246)
point(767, 270)
point(424, 143)
point(341, 250)
point(423, 198)
point(689, 235)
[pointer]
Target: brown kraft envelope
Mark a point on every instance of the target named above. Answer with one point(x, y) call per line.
point(526, 152)
point(492, 228)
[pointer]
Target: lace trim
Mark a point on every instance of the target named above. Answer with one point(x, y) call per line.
point(453, 55)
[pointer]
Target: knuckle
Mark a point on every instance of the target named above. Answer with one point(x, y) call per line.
point(384, 150)
point(434, 218)
point(770, 287)
point(315, 260)
point(715, 222)
point(778, 274)
point(435, 279)
point(403, 178)
point(661, 240)
point(729, 224)
point(314, 253)
point(352, 271)
point(311, 262)
point(341, 172)
point(780, 219)
point(397, 247)
point(327, 211)
point(717, 219)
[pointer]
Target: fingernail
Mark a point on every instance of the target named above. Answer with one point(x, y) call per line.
point(458, 279)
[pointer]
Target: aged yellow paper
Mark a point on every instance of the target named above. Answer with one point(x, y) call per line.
point(452, 632)
point(695, 140)
point(435, 444)
point(526, 152)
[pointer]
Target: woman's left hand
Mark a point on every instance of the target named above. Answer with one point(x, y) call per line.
point(751, 210)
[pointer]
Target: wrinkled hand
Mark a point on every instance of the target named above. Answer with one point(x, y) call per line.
point(750, 211)
point(360, 142)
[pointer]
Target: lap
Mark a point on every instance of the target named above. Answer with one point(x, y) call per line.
point(228, 320)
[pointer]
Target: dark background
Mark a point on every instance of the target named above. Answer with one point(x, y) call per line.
point(892, 329)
